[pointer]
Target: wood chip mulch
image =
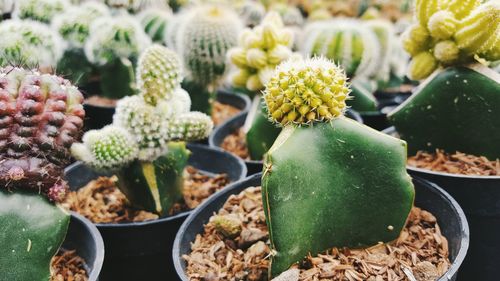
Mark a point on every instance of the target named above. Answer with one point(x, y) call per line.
point(68, 266)
point(101, 201)
point(222, 112)
point(236, 144)
point(421, 251)
point(457, 163)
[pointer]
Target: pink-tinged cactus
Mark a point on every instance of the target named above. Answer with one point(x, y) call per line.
point(40, 117)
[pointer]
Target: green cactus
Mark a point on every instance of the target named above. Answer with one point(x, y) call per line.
point(39, 10)
point(139, 145)
point(42, 115)
point(331, 189)
point(29, 43)
point(155, 23)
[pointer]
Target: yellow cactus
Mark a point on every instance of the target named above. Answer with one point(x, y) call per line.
point(446, 52)
point(306, 91)
point(415, 39)
point(462, 8)
point(442, 25)
point(422, 66)
point(424, 9)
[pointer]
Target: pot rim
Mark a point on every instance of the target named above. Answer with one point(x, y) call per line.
point(178, 216)
point(454, 267)
point(99, 244)
point(392, 129)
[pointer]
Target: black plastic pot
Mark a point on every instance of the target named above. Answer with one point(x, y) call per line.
point(84, 237)
point(98, 116)
point(430, 197)
point(141, 250)
point(479, 196)
point(230, 126)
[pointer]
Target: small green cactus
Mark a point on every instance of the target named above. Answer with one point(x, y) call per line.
point(139, 146)
point(228, 226)
point(29, 43)
point(453, 33)
point(39, 10)
point(155, 23)
point(330, 187)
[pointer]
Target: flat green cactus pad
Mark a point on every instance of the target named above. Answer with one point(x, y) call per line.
point(260, 132)
point(338, 184)
point(456, 110)
point(362, 99)
point(31, 232)
point(156, 186)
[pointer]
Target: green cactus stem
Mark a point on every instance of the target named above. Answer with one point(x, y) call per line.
point(117, 79)
point(362, 99)
point(344, 184)
point(33, 231)
point(456, 109)
point(39, 10)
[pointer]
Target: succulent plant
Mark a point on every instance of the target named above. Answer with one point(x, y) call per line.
point(6, 7)
point(291, 15)
point(140, 144)
point(29, 43)
point(39, 10)
point(41, 116)
point(155, 23)
point(335, 196)
point(451, 45)
point(252, 13)
point(137, 6)
point(450, 33)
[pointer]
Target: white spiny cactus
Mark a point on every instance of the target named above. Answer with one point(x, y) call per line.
point(39, 10)
point(155, 23)
point(6, 6)
point(190, 126)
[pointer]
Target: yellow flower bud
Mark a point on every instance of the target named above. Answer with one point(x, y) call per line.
point(422, 66)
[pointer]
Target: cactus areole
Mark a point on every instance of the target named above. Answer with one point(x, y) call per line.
point(40, 117)
point(328, 181)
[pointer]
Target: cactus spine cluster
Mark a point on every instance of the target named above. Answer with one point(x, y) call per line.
point(259, 51)
point(41, 116)
point(450, 33)
point(203, 39)
point(303, 92)
point(39, 10)
point(30, 43)
point(348, 42)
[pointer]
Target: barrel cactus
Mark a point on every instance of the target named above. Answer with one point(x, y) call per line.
point(30, 43)
point(331, 189)
point(451, 45)
point(252, 13)
point(39, 10)
point(155, 23)
point(145, 144)
point(42, 116)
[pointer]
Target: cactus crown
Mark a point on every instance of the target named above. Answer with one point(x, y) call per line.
point(306, 91)
point(450, 33)
point(259, 51)
point(30, 43)
point(158, 74)
point(41, 116)
point(39, 10)
point(204, 37)
point(74, 24)
point(113, 38)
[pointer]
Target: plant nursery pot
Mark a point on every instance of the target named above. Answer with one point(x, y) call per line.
point(98, 116)
point(141, 250)
point(84, 237)
point(221, 132)
point(428, 196)
point(479, 196)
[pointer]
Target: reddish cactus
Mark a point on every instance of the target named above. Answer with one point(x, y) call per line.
point(40, 117)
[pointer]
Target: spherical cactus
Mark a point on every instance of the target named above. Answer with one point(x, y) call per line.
point(252, 13)
point(110, 148)
point(204, 37)
point(291, 15)
point(30, 43)
point(41, 116)
point(113, 38)
point(190, 126)
point(74, 23)
point(452, 32)
point(303, 92)
point(155, 23)
point(386, 35)
point(348, 42)
point(39, 10)
point(158, 73)
point(6, 7)
point(135, 6)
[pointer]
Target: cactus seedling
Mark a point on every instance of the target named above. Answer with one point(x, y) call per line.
point(41, 116)
point(144, 145)
point(460, 95)
point(331, 189)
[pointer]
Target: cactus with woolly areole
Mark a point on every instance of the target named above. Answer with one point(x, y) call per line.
point(335, 194)
point(39, 10)
point(460, 94)
point(145, 144)
point(41, 116)
point(155, 23)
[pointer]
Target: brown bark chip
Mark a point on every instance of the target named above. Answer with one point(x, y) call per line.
point(68, 266)
point(236, 143)
point(222, 112)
